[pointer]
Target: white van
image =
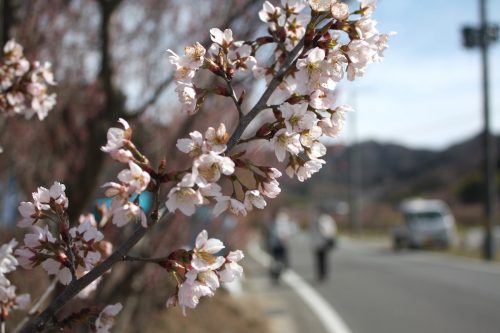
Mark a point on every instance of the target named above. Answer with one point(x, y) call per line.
point(427, 223)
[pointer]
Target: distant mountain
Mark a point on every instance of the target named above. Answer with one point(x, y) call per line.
point(387, 173)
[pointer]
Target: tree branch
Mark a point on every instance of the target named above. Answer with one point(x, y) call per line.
point(76, 286)
point(262, 102)
point(233, 96)
point(7, 20)
point(151, 260)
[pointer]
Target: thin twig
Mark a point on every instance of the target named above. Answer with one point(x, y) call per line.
point(233, 96)
point(253, 138)
point(71, 258)
point(38, 304)
point(151, 260)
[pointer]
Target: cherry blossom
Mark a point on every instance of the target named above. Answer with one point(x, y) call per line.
point(211, 166)
point(205, 272)
point(193, 146)
point(117, 137)
point(216, 139)
point(321, 5)
point(187, 96)
point(187, 65)
point(10, 301)
point(25, 85)
point(284, 142)
point(297, 117)
point(58, 269)
point(293, 6)
point(368, 6)
point(106, 319)
point(253, 198)
point(184, 197)
point(8, 262)
point(227, 203)
point(128, 213)
point(135, 177)
point(340, 11)
point(270, 188)
point(204, 253)
point(272, 14)
point(190, 293)
point(232, 270)
point(222, 38)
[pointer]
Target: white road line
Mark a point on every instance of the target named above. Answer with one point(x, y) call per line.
point(326, 314)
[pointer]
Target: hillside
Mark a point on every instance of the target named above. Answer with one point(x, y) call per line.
point(388, 173)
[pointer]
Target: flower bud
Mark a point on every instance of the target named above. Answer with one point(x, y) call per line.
point(212, 66)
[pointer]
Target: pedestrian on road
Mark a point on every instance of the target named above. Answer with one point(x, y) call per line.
point(280, 230)
point(323, 238)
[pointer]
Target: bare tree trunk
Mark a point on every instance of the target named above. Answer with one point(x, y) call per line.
point(7, 19)
point(81, 186)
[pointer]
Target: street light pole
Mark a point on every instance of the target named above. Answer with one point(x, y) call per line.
point(489, 142)
point(482, 37)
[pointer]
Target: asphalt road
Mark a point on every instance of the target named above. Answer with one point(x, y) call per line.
point(377, 291)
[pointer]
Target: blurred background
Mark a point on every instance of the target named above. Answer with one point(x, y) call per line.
point(404, 184)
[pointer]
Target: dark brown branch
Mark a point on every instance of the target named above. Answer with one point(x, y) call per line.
point(233, 96)
point(150, 260)
point(7, 18)
point(38, 324)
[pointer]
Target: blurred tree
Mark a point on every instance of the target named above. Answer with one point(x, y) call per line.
point(110, 62)
point(471, 189)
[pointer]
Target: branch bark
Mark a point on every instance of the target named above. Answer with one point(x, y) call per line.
point(233, 96)
point(7, 18)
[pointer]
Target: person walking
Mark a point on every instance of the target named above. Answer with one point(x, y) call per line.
point(279, 232)
point(323, 234)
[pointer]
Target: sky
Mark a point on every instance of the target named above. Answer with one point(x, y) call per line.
point(427, 92)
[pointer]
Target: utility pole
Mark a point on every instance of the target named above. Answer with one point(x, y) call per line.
point(482, 37)
point(354, 174)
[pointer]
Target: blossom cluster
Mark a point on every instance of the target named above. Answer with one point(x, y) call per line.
point(133, 180)
point(24, 85)
point(9, 300)
point(337, 44)
point(315, 44)
point(201, 271)
point(225, 57)
point(70, 252)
